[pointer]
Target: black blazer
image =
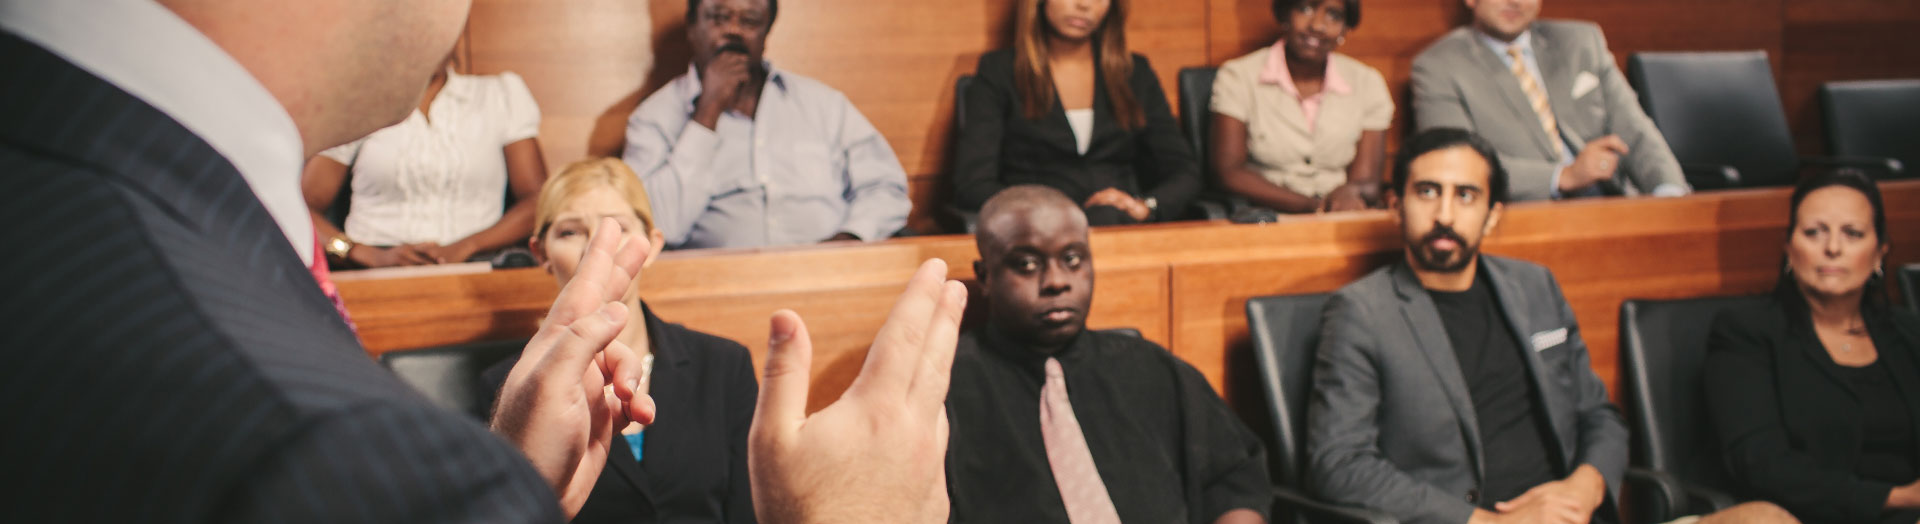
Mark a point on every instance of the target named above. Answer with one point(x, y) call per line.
point(1789, 426)
point(695, 467)
point(1000, 147)
point(169, 357)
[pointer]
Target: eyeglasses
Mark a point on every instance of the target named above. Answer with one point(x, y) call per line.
point(719, 17)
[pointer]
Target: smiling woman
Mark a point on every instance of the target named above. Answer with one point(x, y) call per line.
point(1297, 127)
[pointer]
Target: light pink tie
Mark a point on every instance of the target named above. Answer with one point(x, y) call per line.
point(1080, 486)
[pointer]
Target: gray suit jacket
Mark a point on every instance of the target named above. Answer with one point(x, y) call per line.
point(1390, 424)
point(1459, 82)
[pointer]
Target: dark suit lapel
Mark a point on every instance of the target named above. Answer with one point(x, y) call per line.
point(1515, 303)
point(150, 153)
point(666, 385)
point(1423, 319)
point(1808, 344)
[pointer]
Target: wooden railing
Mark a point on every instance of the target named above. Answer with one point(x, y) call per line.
point(1182, 285)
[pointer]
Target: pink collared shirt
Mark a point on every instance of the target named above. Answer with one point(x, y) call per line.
point(1276, 73)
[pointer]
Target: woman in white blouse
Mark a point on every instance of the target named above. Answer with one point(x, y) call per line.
point(432, 189)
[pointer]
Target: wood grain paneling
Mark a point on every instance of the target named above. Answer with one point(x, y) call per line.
point(589, 62)
point(1182, 285)
point(1834, 40)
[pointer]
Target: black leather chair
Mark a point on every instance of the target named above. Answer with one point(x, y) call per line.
point(1286, 330)
point(968, 218)
point(1196, 119)
point(1131, 332)
point(1722, 117)
point(1910, 286)
point(450, 375)
point(1874, 118)
point(1663, 350)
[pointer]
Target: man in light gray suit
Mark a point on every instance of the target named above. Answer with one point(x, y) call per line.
point(1549, 98)
point(1453, 387)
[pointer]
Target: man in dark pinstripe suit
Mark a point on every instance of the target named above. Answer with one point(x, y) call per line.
point(169, 357)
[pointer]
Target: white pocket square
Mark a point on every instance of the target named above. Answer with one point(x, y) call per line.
point(1547, 339)
point(1584, 84)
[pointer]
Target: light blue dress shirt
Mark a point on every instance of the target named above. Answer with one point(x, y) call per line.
point(806, 166)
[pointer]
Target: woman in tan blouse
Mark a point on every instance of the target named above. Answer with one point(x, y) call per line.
point(1296, 126)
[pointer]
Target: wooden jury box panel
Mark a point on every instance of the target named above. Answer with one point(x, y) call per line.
point(1184, 286)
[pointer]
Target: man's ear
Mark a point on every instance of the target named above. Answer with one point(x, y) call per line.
point(1493, 219)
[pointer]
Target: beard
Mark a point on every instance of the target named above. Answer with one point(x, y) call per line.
point(1443, 261)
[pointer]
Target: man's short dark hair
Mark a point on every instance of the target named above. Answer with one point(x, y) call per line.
point(1282, 7)
point(1447, 138)
point(773, 11)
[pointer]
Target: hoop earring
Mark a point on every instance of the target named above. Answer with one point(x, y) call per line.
point(1786, 268)
point(1341, 40)
point(1880, 270)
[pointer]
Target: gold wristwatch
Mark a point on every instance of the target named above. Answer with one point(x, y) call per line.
point(338, 246)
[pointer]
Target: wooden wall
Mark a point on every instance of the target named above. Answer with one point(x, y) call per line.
point(589, 62)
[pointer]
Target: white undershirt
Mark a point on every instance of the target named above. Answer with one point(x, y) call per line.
point(151, 53)
point(1081, 120)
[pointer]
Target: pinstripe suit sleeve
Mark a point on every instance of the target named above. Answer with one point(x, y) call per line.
point(344, 469)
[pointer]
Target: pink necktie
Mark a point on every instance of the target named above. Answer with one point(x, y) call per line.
point(322, 276)
point(1080, 486)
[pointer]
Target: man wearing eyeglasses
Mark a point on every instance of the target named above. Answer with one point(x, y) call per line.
point(736, 153)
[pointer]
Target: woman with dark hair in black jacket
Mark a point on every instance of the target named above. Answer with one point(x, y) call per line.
point(1815, 394)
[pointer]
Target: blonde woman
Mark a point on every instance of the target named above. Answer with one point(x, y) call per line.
point(691, 466)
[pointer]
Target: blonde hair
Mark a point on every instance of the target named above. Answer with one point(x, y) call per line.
point(580, 177)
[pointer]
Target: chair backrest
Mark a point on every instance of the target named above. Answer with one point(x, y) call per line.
point(1663, 351)
point(1196, 112)
point(960, 103)
point(1910, 286)
point(1873, 118)
point(1719, 108)
point(1286, 331)
point(1126, 331)
point(450, 375)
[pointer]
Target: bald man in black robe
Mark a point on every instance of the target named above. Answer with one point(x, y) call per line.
point(1166, 449)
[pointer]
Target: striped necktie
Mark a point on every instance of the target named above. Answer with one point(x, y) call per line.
point(1537, 97)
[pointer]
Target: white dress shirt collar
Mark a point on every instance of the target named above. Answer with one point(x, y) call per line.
point(151, 53)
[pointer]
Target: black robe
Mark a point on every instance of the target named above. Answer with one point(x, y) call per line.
point(1166, 447)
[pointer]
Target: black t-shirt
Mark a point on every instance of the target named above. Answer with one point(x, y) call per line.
point(1513, 432)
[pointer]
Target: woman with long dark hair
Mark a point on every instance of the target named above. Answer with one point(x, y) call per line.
point(1070, 108)
point(1814, 395)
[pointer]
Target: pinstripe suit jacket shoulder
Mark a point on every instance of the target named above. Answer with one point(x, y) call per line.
point(170, 359)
